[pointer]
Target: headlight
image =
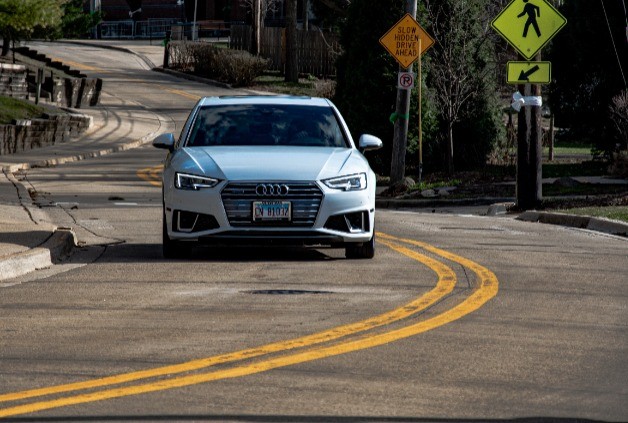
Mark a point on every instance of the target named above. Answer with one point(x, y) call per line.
point(355, 182)
point(193, 182)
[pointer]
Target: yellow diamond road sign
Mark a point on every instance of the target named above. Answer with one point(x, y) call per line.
point(402, 40)
point(528, 25)
point(529, 72)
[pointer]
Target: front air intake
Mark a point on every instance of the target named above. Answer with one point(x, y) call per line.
point(305, 199)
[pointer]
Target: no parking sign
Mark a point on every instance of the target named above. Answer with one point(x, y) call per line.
point(405, 80)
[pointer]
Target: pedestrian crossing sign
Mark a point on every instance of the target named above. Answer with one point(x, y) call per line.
point(528, 25)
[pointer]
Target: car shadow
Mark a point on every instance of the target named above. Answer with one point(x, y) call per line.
point(202, 253)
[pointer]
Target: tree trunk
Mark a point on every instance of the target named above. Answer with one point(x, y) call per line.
point(6, 45)
point(257, 28)
point(450, 148)
point(305, 15)
point(292, 66)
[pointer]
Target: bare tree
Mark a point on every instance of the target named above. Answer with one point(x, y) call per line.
point(456, 66)
point(259, 10)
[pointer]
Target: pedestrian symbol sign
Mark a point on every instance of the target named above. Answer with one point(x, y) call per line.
point(402, 41)
point(528, 25)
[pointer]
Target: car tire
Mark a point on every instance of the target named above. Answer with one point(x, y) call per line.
point(364, 251)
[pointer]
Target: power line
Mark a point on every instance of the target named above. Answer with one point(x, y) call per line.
point(610, 31)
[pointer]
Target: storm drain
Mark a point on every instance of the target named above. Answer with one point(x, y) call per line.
point(286, 292)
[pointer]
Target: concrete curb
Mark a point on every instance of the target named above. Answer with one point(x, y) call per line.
point(583, 222)
point(386, 203)
point(57, 247)
point(78, 157)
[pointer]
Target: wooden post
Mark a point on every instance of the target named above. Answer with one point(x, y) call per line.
point(529, 151)
point(418, 81)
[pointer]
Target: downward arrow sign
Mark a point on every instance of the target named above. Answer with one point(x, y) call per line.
point(525, 76)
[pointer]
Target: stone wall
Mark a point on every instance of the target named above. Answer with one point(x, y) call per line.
point(37, 133)
point(13, 81)
point(66, 92)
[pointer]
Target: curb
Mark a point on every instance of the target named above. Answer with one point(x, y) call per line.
point(583, 222)
point(384, 203)
point(56, 248)
point(76, 158)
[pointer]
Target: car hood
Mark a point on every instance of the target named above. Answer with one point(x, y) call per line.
point(274, 163)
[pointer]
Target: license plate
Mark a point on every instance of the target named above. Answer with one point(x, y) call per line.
point(272, 210)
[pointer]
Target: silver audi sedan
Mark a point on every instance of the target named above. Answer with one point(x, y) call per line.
point(267, 169)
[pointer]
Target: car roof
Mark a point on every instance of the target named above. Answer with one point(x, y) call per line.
point(265, 99)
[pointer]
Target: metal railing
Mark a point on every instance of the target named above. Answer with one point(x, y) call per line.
point(152, 28)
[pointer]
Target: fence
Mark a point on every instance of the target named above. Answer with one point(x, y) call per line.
point(153, 28)
point(317, 51)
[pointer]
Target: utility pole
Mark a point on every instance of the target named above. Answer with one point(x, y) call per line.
point(529, 151)
point(402, 109)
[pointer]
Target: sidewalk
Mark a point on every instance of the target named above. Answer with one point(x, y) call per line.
point(30, 241)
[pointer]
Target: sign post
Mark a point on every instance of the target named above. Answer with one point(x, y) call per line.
point(528, 25)
point(406, 41)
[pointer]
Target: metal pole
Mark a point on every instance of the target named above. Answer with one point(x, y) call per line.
point(400, 138)
point(194, 33)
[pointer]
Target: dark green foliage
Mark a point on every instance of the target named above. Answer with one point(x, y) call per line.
point(76, 22)
point(587, 71)
point(367, 74)
point(475, 135)
point(462, 83)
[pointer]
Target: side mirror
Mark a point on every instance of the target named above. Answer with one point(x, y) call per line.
point(165, 141)
point(370, 142)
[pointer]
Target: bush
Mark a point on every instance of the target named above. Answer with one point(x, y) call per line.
point(619, 165)
point(619, 117)
point(238, 68)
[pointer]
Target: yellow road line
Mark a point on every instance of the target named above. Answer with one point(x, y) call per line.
point(152, 175)
point(487, 289)
point(181, 93)
point(80, 66)
point(446, 283)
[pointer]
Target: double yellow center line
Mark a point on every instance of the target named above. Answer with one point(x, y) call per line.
point(339, 340)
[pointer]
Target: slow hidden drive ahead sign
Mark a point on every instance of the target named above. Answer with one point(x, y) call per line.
point(528, 25)
point(529, 72)
point(402, 41)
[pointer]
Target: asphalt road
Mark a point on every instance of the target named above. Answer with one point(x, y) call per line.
point(459, 317)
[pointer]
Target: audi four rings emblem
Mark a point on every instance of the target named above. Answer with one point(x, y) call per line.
point(272, 190)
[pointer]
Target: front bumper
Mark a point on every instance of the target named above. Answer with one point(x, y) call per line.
point(223, 214)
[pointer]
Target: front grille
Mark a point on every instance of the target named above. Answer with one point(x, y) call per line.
point(238, 197)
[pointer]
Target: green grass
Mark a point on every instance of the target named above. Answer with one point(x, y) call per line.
point(571, 151)
point(610, 212)
point(585, 168)
point(276, 84)
point(436, 184)
point(551, 190)
point(12, 109)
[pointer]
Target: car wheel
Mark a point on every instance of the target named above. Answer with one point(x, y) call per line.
point(171, 249)
point(364, 251)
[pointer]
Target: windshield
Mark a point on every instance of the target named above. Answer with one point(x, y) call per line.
point(265, 124)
